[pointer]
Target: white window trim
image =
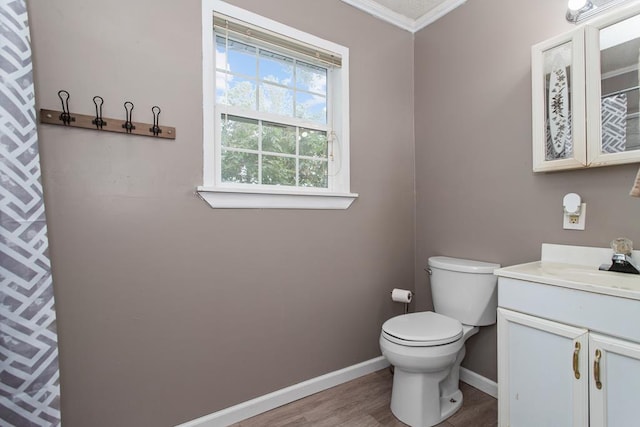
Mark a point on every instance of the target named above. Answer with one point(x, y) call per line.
point(219, 195)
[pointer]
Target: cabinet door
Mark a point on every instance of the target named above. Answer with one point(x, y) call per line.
point(614, 389)
point(558, 108)
point(542, 372)
point(613, 101)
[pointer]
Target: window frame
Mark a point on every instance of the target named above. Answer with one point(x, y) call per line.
point(234, 195)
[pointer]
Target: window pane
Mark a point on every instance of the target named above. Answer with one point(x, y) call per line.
point(239, 58)
point(222, 84)
point(278, 138)
point(311, 78)
point(278, 170)
point(265, 151)
point(313, 143)
point(236, 91)
point(238, 132)
point(276, 100)
point(239, 167)
point(311, 107)
point(313, 173)
point(276, 68)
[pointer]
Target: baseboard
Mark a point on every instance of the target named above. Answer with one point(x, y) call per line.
point(286, 395)
point(478, 381)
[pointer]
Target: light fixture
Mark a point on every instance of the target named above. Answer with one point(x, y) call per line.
point(575, 8)
point(580, 10)
point(577, 4)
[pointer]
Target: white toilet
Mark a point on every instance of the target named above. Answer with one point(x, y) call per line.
point(426, 348)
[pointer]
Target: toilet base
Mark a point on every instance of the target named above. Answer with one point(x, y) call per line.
point(416, 400)
point(426, 388)
point(449, 405)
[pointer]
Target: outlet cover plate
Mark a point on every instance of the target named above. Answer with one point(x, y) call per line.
point(568, 225)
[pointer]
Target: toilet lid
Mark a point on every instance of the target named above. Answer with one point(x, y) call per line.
point(423, 329)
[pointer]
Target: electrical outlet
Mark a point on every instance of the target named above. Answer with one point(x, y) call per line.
point(575, 222)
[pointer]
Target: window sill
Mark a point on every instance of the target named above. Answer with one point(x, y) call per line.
point(222, 198)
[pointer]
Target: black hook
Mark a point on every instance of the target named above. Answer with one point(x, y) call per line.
point(98, 101)
point(128, 108)
point(65, 116)
point(156, 116)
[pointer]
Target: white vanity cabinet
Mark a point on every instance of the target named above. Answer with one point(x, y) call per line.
point(614, 398)
point(586, 97)
point(568, 351)
point(542, 372)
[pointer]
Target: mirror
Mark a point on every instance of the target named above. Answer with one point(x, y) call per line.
point(593, 69)
point(558, 109)
point(557, 102)
point(620, 100)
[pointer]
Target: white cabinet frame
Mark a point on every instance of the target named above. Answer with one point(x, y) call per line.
point(577, 107)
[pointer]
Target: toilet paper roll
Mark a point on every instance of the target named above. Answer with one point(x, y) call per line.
point(401, 295)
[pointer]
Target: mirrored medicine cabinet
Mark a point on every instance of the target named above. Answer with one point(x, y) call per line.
point(585, 87)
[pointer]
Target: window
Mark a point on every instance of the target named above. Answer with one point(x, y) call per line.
point(276, 125)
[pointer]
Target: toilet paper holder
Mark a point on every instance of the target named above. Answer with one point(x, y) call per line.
point(406, 304)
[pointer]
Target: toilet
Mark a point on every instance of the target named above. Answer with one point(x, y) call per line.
point(426, 348)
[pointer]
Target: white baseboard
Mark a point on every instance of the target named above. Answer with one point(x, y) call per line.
point(286, 395)
point(290, 394)
point(479, 382)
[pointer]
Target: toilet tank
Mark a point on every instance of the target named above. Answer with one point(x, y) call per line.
point(464, 289)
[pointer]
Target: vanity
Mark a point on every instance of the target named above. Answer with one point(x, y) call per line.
point(568, 341)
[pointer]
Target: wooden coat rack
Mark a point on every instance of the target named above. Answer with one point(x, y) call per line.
point(97, 122)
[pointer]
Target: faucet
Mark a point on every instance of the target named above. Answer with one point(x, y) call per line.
point(621, 261)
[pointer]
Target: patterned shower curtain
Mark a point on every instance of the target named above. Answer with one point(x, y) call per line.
point(29, 387)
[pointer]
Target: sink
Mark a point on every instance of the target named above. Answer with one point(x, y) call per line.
point(592, 276)
point(576, 267)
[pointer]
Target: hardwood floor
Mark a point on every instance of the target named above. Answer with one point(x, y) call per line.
point(364, 402)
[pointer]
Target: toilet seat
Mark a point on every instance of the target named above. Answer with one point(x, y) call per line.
point(423, 329)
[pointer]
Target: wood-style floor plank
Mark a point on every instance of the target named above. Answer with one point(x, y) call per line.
point(364, 402)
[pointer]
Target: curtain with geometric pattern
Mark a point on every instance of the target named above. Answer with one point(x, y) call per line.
point(29, 377)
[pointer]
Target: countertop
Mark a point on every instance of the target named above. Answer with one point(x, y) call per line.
point(574, 276)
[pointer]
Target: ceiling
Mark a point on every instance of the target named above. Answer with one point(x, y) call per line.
point(411, 15)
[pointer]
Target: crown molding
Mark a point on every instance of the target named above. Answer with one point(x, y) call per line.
point(436, 13)
point(373, 8)
point(381, 12)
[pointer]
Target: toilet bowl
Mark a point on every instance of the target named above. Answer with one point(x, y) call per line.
point(426, 348)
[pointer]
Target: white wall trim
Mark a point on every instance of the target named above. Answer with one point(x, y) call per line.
point(214, 190)
point(259, 405)
point(219, 198)
point(286, 395)
point(478, 381)
point(381, 12)
point(436, 13)
point(404, 22)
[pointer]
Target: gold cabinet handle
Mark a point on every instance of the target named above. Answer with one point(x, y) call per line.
point(576, 354)
point(596, 369)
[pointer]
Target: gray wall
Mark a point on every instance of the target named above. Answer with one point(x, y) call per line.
point(169, 310)
point(476, 194)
